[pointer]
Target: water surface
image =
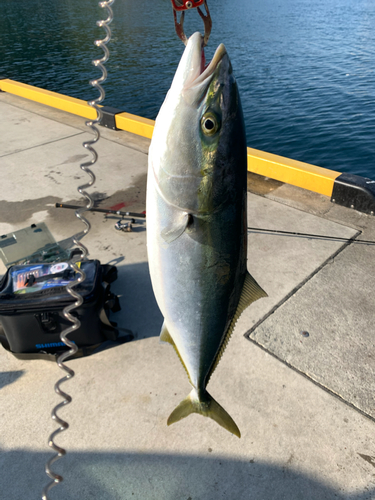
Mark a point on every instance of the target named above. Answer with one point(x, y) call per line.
point(305, 68)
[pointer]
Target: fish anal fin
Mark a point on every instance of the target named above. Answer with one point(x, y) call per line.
point(204, 405)
point(176, 228)
point(251, 292)
point(165, 336)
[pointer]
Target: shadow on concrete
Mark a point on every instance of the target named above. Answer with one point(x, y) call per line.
point(143, 476)
point(7, 378)
point(116, 261)
point(140, 314)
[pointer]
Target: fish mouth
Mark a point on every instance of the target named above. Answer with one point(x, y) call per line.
point(209, 69)
point(200, 71)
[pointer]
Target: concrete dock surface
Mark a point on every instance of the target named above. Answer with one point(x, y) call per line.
point(304, 403)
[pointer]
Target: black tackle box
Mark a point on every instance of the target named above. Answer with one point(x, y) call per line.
point(32, 299)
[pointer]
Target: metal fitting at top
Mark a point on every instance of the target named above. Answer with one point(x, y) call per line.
point(182, 6)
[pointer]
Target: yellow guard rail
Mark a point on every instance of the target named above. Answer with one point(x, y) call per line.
point(293, 172)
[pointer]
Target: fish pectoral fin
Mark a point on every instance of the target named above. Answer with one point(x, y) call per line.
point(176, 228)
point(165, 336)
point(204, 405)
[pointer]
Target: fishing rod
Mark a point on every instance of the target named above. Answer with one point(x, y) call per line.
point(272, 231)
point(104, 211)
point(307, 235)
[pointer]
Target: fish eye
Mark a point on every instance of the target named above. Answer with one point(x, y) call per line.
point(210, 124)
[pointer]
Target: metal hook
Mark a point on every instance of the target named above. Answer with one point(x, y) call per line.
point(207, 23)
point(179, 26)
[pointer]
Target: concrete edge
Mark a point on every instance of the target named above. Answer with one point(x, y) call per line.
point(348, 190)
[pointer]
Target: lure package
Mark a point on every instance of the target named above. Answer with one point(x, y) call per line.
point(32, 299)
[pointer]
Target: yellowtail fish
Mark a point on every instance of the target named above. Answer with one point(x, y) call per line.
point(197, 220)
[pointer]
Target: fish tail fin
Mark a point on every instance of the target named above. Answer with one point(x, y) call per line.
point(204, 405)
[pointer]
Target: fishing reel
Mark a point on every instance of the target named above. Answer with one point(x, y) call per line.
point(126, 227)
point(186, 4)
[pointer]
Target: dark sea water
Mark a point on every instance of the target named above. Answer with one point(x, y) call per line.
point(305, 68)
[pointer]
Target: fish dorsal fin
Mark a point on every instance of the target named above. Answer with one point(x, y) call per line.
point(165, 336)
point(251, 292)
point(176, 227)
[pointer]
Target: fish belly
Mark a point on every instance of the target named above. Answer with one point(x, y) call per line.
point(197, 279)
